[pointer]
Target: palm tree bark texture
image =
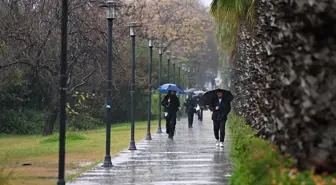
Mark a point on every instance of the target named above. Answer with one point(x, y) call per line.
point(284, 76)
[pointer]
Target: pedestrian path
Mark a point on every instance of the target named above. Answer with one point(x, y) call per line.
point(191, 158)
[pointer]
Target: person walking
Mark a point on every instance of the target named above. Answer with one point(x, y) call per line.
point(172, 105)
point(190, 105)
point(221, 107)
point(200, 106)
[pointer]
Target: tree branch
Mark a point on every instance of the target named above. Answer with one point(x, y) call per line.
point(83, 81)
point(19, 61)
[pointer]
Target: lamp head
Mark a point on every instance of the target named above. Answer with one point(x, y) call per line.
point(160, 49)
point(168, 54)
point(111, 8)
point(132, 26)
point(150, 42)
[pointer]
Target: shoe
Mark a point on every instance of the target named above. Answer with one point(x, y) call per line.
point(217, 143)
point(170, 137)
point(221, 144)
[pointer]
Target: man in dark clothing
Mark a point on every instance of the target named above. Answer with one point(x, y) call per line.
point(221, 108)
point(190, 105)
point(172, 105)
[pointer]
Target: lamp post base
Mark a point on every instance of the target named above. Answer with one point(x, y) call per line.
point(61, 182)
point(107, 162)
point(148, 136)
point(132, 146)
point(159, 130)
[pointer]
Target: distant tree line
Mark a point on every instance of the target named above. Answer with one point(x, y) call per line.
point(30, 54)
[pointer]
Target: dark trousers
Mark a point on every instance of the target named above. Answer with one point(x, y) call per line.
point(171, 123)
point(190, 118)
point(219, 129)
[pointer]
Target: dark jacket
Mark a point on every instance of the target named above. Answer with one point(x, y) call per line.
point(173, 105)
point(199, 100)
point(223, 111)
point(190, 105)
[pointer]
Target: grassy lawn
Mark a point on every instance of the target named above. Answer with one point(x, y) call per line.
point(83, 151)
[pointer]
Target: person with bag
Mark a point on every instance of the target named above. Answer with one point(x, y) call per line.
point(201, 104)
point(172, 105)
point(190, 105)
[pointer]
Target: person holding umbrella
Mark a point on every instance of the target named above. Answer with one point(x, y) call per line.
point(172, 104)
point(190, 105)
point(220, 105)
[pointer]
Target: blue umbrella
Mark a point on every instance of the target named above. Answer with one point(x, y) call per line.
point(170, 87)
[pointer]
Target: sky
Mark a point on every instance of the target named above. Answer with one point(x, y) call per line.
point(206, 2)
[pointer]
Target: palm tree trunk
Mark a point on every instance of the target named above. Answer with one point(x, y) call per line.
point(304, 53)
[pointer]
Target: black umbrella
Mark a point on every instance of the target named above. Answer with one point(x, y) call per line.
point(210, 95)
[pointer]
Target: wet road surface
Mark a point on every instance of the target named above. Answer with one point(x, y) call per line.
point(191, 158)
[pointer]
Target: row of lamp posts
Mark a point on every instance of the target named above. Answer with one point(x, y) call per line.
point(111, 6)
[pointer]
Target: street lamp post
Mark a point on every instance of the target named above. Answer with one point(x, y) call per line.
point(160, 76)
point(63, 80)
point(179, 76)
point(150, 45)
point(179, 83)
point(174, 66)
point(168, 62)
point(184, 72)
point(132, 26)
point(174, 82)
point(189, 76)
point(110, 6)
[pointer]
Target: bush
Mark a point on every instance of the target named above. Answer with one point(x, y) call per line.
point(32, 122)
point(84, 122)
point(26, 122)
point(258, 162)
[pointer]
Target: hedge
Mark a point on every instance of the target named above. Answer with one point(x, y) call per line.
point(258, 162)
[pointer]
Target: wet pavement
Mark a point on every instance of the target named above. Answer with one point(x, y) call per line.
point(191, 158)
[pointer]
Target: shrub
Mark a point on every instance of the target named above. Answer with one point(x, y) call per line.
point(83, 122)
point(26, 122)
point(258, 162)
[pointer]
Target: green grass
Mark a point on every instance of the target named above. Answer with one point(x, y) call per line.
point(70, 136)
point(42, 152)
point(258, 162)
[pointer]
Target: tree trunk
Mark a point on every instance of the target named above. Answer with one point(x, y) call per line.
point(303, 50)
point(53, 111)
point(242, 70)
point(49, 124)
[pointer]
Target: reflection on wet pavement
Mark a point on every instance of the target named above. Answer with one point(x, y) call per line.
point(191, 158)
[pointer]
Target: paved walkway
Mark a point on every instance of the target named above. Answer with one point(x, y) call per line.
point(191, 158)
